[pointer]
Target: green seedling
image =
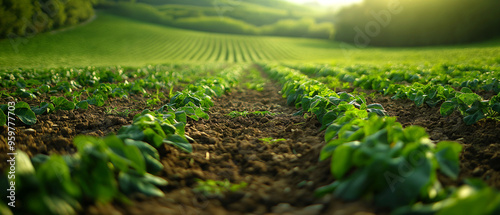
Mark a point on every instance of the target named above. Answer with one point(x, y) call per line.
point(213, 189)
point(270, 140)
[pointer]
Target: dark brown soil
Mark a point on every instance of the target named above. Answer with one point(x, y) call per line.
point(281, 177)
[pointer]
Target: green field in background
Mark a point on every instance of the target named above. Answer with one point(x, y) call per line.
point(112, 40)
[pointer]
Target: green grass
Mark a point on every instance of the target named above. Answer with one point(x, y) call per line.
point(112, 40)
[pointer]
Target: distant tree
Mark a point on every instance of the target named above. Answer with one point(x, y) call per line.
point(28, 17)
point(423, 22)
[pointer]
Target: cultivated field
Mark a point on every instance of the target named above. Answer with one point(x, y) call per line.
point(119, 116)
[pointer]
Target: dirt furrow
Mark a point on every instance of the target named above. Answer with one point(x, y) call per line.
point(281, 176)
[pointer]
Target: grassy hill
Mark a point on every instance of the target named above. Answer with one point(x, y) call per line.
point(113, 40)
point(255, 17)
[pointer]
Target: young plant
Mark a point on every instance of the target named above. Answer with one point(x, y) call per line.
point(213, 189)
point(22, 111)
point(475, 197)
point(376, 149)
point(270, 140)
point(472, 106)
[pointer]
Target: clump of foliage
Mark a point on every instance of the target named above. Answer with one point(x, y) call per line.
point(21, 18)
point(212, 188)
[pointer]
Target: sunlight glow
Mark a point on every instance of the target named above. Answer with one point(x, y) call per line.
point(328, 2)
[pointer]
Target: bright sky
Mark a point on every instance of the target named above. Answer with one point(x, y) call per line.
point(328, 2)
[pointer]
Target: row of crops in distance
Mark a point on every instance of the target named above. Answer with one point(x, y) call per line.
point(473, 90)
point(77, 88)
point(219, 48)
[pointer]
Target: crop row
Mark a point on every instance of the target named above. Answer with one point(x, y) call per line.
point(373, 156)
point(426, 86)
point(216, 48)
point(110, 168)
point(475, 77)
point(68, 89)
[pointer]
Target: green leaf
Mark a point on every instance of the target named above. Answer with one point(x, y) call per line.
point(407, 187)
point(328, 118)
point(447, 155)
point(168, 129)
point(4, 107)
point(26, 115)
point(341, 160)
point(181, 116)
point(23, 164)
point(466, 90)
point(4, 209)
point(447, 108)
point(375, 106)
point(332, 131)
point(146, 184)
point(321, 191)
point(98, 181)
point(152, 165)
point(3, 118)
point(291, 99)
point(55, 174)
point(477, 106)
point(97, 100)
point(144, 147)
point(179, 141)
point(419, 99)
point(200, 113)
point(471, 119)
point(134, 154)
point(53, 204)
point(180, 128)
point(62, 103)
point(496, 107)
point(467, 200)
point(354, 186)
point(152, 137)
point(82, 105)
point(414, 133)
point(44, 107)
point(327, 151)
point(469, 98)
point(21, 105)
point(377, 111)
point(131, 131)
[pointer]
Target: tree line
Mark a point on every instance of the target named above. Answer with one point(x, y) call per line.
point(19, 18)
point(417, 22)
